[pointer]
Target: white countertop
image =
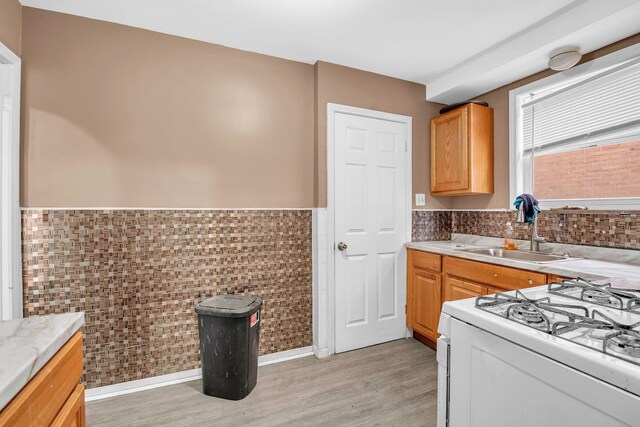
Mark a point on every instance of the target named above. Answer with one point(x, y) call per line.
point(590, 269)
point(26, 345)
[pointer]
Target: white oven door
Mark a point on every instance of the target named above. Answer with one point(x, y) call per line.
point(494, 382)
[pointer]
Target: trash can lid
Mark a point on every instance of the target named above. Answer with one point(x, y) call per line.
point(229, 305)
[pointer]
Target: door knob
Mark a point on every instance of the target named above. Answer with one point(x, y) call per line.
point(342, 246)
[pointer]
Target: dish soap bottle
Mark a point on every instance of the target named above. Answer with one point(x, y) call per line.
point(508, 237)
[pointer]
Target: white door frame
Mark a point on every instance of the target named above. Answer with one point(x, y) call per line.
point(324, 293)
point(10, 247)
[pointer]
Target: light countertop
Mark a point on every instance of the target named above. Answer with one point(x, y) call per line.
point(624, 274)
point(26, 345)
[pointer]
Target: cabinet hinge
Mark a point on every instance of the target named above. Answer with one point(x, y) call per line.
point(405, 309)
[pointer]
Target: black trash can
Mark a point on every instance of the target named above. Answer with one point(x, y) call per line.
point(229, 335)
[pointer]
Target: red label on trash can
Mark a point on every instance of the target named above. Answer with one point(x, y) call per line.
point(254, 318)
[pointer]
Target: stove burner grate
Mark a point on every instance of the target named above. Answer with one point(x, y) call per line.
point(604, 295)
point(528, 314)
point(597, 296)
point(626, 343)
point(568, 321)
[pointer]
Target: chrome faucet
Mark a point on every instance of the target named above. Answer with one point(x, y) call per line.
point(535, 239)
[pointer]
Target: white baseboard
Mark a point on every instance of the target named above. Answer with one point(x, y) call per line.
point(283, 356)
point(135, 386)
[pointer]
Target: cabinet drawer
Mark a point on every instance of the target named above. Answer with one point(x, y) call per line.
point(493, 275)
point(39, 402)
point(426, 260)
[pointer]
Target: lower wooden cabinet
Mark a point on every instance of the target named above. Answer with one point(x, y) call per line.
point(72, 413)
point(424, 294)
point(433, 279)
point(426, 303)
point(455, 289)
point(54, 396)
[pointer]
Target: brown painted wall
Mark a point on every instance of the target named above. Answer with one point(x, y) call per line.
point(11, 24)
point(118, 116)
point(343, 85)
point(499, 100)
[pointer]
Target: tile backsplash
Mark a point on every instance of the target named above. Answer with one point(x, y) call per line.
point(613, 229)
point(430, 225)
point(138, 274)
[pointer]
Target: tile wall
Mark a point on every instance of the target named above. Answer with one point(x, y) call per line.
point(614, 229)
point(137, 275)
point(430, 225)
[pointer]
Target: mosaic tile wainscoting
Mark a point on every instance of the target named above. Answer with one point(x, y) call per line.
point(138, 274)
point(613, 229)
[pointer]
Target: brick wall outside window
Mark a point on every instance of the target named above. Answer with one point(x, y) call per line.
point(598, 172)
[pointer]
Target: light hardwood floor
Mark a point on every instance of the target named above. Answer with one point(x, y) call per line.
point(390, 384)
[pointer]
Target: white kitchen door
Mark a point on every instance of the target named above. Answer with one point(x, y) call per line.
point(370, 207)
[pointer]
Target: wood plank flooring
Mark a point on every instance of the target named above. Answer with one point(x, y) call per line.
point(389, 384)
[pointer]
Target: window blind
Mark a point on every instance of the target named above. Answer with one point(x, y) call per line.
point(588, 110)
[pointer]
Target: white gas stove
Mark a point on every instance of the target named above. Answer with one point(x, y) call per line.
point(564, 354)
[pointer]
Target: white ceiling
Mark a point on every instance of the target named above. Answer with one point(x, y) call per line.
point(458, 48)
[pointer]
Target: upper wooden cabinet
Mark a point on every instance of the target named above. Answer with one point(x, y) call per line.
point(462, 151)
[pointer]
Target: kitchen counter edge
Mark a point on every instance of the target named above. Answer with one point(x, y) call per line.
point(26, 345)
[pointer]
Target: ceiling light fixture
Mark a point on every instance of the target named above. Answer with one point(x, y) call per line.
point(564, 60)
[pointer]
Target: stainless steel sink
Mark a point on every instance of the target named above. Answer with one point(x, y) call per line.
point(536, 257)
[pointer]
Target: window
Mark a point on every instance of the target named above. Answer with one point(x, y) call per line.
point(575, 136)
